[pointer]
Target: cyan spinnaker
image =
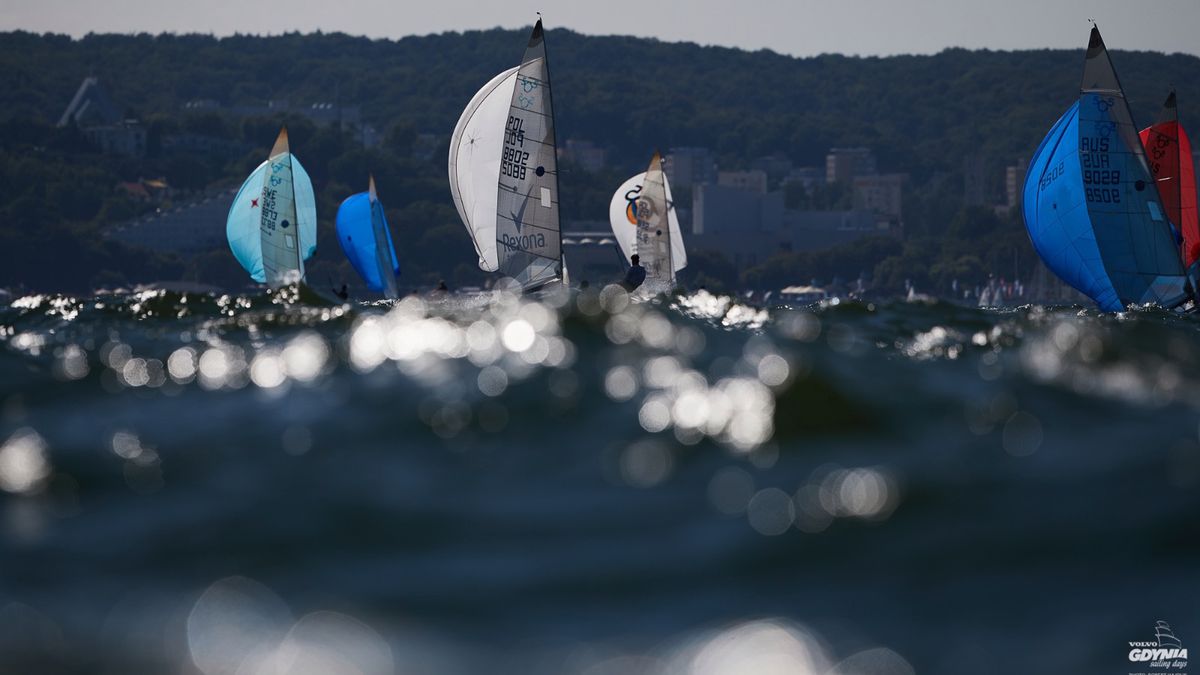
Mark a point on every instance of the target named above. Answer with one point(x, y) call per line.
point(1091, 206)
point(246, 223)
point(363, 232)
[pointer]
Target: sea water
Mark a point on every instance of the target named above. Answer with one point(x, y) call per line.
point(584, 482)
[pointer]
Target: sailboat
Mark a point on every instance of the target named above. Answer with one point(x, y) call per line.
point(1169, 151)
point(363, 232)
point(272, 223)
point(504, 172)
point(644, 222)
point(1091, 206)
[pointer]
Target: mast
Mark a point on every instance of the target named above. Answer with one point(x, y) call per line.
point(562, 261)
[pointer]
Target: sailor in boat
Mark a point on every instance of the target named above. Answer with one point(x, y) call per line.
point(635, 275)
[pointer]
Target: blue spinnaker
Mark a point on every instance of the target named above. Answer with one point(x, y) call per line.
point(1092, 210)
point(243, 226)
point(356, 223)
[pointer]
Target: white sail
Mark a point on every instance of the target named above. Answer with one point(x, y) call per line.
point(475, 150)
point(622, 215)
point(504, 173)
point(282, 261)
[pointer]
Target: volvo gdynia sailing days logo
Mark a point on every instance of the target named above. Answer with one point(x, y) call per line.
point(1164, 654)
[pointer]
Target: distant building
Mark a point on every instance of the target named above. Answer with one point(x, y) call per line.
point(843, 165)
point(592, 253)
point(103, 122)
point(686, 167)
point(583, 154)
point(754, 180)
point(882, 195)
point(151, 190)
point(808, 176)
point(203, 144)
point(719, 208)
point(184, 229)
point(1014, 184)
point(202, 104)
point(750, 227)
point(821, 230)
point(974, 180)
point(746, 227)
point(323, 113)
point(777, 167)
point(91, 106)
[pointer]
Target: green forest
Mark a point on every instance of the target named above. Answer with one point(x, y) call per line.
point(921, 115)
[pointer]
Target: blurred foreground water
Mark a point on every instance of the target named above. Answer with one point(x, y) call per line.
point(585, 483)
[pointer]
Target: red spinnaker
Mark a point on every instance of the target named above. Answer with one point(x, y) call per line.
point(1170, 155)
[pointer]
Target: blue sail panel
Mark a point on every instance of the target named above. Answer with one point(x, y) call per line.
point(357, 237)
point(242, 227)
point(1057, 217)
point(1133, 235)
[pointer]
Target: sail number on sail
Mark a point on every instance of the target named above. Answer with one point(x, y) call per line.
point(1094, 157)
point(513, 161)
point(269, 214)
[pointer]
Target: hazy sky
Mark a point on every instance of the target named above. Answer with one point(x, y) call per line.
point(799, 27)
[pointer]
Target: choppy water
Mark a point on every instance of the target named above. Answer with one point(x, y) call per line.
point(584, 484)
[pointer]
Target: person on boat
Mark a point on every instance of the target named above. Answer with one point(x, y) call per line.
point(635, 275)
point(442, 286)
point(344, 294)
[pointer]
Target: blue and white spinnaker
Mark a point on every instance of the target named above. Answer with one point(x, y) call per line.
point(274, 211)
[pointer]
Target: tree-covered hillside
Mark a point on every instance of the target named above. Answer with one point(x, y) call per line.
point(920, 114)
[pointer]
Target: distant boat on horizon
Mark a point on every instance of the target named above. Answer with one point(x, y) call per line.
point(362, 230)
point(272, 222)
point(1091, 206)
point(503, 170)
point(644, 222)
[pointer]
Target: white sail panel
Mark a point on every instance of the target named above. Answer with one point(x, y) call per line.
point(528, 237)
point(653, 240)
point(282, 261)
point(475, 150)
point(622, 215)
